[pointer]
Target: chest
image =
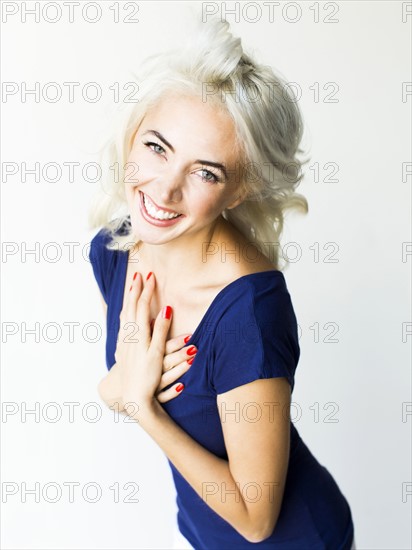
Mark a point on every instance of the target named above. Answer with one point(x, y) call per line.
point(189, 307)
point(188, 311)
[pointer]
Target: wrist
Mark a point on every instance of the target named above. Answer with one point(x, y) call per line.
point(143, 411)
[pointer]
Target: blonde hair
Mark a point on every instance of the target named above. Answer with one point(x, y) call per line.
point(267, 120)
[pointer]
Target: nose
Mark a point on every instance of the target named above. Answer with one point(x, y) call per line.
point(171, 188)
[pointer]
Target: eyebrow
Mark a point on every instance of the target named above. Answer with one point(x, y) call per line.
point(218, 165)
point(159, 135)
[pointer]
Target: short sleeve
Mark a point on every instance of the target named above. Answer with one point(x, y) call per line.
point(99, 258)
point(256, 336)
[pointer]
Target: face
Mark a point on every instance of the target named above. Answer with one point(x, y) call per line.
point(182, 172)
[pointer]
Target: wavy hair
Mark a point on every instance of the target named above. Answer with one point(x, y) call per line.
point(267, 121)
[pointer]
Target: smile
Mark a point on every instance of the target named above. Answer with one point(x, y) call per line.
point(155, 214)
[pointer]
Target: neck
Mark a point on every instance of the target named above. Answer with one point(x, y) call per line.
point(176, 264)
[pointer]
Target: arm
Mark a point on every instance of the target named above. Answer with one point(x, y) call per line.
point(247, 490)
point(257, 451)
point(257, 443)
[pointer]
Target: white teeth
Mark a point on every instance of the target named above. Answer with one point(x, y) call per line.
point(155, 213)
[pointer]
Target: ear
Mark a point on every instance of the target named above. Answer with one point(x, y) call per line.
point(238, 200)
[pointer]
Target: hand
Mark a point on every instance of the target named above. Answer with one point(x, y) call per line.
point(175, 363)
point(133, 355)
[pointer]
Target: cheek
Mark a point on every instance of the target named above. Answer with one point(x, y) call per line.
point(128, 171)
point(143, 164)
point(205, 203)
point(128, 186)
point(136, 174)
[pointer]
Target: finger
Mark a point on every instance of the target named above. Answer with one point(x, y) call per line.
point(174, 344)
point(129, 295)
point(142, 310)
point(133, 296)
point(172, 375)
point(171, 393)
point(128, 314)
point(170, 361)
point(160, 331)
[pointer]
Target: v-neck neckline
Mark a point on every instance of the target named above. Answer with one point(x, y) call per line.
point(215, 300)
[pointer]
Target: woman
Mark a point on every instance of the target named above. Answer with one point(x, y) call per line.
point(202, 341)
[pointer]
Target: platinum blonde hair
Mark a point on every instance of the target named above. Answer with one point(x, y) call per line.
point(268, 125)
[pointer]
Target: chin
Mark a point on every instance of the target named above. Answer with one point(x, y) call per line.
point(147, 235)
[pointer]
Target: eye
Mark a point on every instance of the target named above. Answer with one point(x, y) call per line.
point(210, 176)
point(149, 144)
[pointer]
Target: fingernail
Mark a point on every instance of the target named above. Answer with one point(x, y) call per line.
point(187, 339)
point(166, 312)
point(191, 351)
point(134, 276)
point(179, 387)
point(149, 275)
point(190, 361)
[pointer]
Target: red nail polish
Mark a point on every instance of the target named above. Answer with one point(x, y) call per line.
point(190, 361)
point(179, 387)
point(166, 312)
point(149, 275)
point(191, 351)
point(130, 288)
point(187, 339)
point(134, 276)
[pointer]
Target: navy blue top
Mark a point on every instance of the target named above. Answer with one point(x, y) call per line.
point(248, 332)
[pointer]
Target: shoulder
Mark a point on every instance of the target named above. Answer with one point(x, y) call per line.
point(99, 242)
point(255, 309)
point(103, 244)
point(105, 253)
point(104, 237)
point(254, 332)
point(271, 300)
point(255, 295)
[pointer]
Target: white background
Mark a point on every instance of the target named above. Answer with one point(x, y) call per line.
point(366, 374)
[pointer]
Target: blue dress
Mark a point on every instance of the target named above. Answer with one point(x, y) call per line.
point(248, 332)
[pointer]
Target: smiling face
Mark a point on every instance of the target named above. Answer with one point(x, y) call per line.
point(184, 170)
